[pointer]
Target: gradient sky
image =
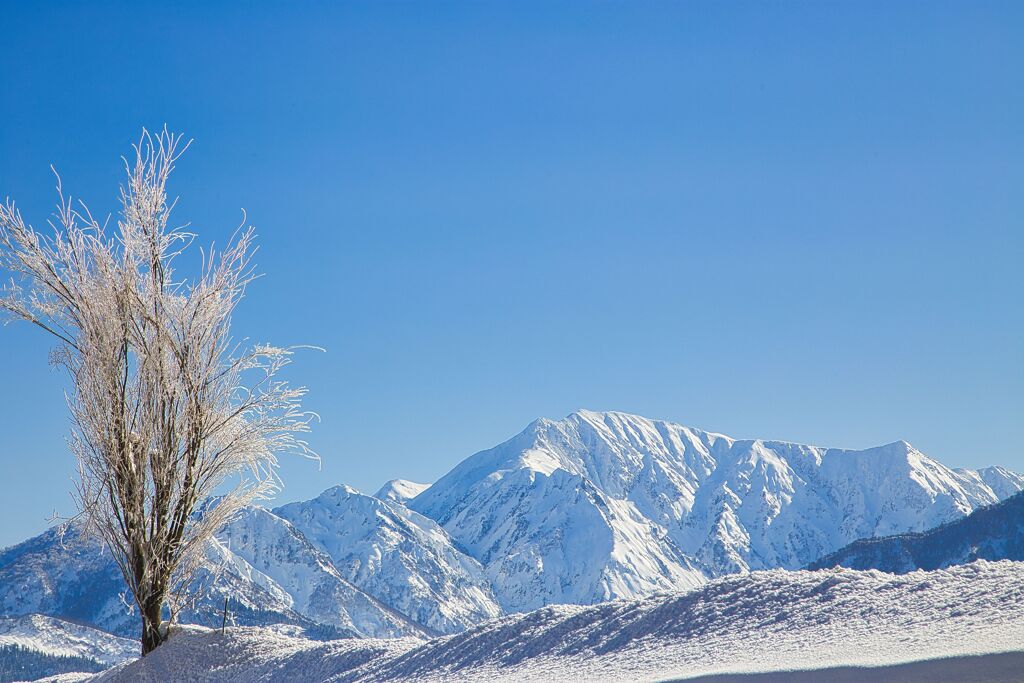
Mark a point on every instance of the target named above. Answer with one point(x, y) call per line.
point(776, 220)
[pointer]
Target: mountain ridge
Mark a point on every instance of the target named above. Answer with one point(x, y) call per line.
point(685, 504)
point(589, 508)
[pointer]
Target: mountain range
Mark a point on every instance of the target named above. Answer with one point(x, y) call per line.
point(589, 508)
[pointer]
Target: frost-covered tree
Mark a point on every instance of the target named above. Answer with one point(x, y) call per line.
point(167, 410)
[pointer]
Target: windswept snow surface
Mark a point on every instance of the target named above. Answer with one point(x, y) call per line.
point(1002, 667)
point(760, 622)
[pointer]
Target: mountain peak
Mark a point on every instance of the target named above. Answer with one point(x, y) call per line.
point(341, 491)
point(400, 490)
point(605, 416)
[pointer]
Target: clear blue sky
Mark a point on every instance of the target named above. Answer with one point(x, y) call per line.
point(777, 220)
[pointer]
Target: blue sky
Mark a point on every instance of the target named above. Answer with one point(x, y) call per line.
point(779, 220)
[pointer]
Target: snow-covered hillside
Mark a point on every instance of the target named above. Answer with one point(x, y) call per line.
point(765, 621)
point(995, 532)
point(33, 646)
point(605, 505)
point(60, 638)
point(593, 507)
point(63, 574)
point(269, 573)
point(398, 555)
point(400, 491)
point(278, 556)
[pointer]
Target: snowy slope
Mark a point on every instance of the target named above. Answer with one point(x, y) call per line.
point(402, 558)
point(400, 491)
point(557, 538)
point(63, 574)
point(33, 646)
point(312, 584)
point(1001, 480)
point(765, 621)
point(605, 505)
point(995, 532)
point(269, 573)
point(60, 638)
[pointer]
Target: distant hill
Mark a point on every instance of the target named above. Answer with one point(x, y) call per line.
point(994, 532)
point(33, 646)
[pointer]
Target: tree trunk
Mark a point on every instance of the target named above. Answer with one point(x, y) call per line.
point(153, 634)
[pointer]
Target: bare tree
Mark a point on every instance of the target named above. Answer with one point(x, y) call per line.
point(167, 410)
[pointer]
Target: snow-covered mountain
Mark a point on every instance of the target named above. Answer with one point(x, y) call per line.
point(404, 559)
point(606, 505)
point(278, 556)
point(995, 532)
point(1002, 481)
point(969, 617)
point(65, 574)
point(269, 573)
point(400, 491)
point(61, 638)
point(33, 646)
point(62, 573)
point(589, 508)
